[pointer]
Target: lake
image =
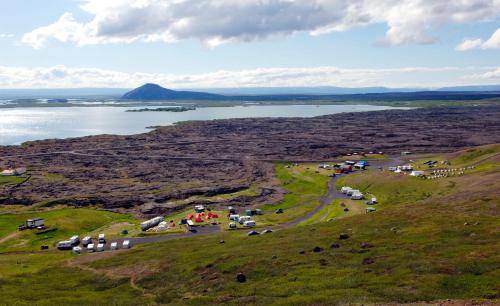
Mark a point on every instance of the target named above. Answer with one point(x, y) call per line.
point(18, 125)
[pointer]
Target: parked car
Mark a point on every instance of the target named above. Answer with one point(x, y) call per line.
point(267, 231)
point(75, 240)
point(101, 239)
point(279, 211)
point(252, 233)
point(126, 244)
point(232, 226)
point(90, 248)
point(86, 241)
point(77, 250)
point(114, 245)
point(100, 247)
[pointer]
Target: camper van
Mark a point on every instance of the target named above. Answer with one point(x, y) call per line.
point(75, 240)
point(345, 189)
point(243, 219)
point(249, 223)
point(357, 196)
point(235, 218)
point(86, 240)
point(64, 245)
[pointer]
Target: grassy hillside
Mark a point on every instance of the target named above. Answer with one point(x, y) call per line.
point(428, 240)
point(64, 223)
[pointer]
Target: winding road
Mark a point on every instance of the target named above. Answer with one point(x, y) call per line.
point(331, 195)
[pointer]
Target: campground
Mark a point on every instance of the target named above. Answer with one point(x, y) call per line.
point(428, 240)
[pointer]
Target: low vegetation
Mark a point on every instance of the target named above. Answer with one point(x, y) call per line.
point(428, 241)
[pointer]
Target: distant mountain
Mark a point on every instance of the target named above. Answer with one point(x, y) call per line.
point(472, 88)
point(156, 92)
point(317, 90)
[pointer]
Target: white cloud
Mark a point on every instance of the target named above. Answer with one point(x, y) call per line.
point(492, 43)
point(493, 75)
point(66, 77)
point(215, 22)
point(6, 35)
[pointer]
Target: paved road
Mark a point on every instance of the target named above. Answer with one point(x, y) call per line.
point(332, 194)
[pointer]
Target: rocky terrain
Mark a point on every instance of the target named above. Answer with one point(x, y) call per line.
point(145, 173)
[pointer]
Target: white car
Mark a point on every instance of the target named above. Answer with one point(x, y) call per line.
point(126, 244)
point(100, 247)
point(90, 248)
point(77, 250)
point(114, 245)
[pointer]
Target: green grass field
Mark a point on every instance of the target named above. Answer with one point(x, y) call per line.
point(65, 222)
point(11, 180)
point(304, 186)
point(428, 241)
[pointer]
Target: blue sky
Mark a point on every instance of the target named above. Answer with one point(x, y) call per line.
point(180, 45)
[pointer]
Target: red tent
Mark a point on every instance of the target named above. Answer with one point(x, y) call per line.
point(212, 215)
point(189, 217)
point(197, 218)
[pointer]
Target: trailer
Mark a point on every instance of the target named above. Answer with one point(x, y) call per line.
point(34, 223)
point(151, 223)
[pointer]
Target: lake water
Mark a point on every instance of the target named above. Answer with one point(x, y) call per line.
point(18, 125)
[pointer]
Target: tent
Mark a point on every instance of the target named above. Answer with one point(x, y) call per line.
point(189, 217)
point(197, 218)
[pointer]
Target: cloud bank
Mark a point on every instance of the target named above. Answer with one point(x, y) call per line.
point(492, 43)
point(66, 77)
point(216, 22)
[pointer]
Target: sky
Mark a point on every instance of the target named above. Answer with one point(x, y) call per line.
point(249, 43)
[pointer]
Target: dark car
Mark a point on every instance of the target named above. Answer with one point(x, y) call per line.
point(252, 233)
